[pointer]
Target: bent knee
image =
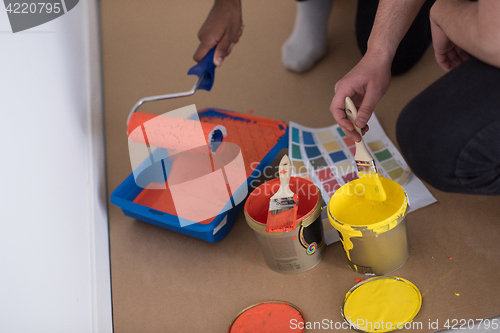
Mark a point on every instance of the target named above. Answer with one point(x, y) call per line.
point(445, 157)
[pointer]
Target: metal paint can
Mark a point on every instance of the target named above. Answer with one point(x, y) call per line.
point(289, 252)
point(378, 245)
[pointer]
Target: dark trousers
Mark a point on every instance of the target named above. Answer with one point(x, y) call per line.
point(450, 133)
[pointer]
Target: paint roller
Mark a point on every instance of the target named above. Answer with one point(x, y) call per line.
point(173, 133)
point(177, 133)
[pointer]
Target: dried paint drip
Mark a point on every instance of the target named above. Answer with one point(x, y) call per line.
point(381, 304)
point(268, 317)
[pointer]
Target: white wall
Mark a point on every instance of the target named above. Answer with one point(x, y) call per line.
point(54, 258)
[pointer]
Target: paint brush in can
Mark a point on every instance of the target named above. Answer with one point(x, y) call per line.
point(365, 163)
point(283, 205)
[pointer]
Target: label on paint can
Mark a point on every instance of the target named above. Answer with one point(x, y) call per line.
point(287, 264)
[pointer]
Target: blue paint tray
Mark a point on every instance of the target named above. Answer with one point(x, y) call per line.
point(260, 140)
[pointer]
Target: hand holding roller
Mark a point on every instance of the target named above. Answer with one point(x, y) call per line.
point(205, 70)
point(177, 133)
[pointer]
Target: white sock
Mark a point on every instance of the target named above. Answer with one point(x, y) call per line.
point(307, 43)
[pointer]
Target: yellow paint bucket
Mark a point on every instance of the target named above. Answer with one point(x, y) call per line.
point(373, 233)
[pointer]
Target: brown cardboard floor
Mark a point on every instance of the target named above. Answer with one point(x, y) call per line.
point(163, 281)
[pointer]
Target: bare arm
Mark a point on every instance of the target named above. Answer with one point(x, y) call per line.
point(472, 26)
point(392, 21)
point(369, 80)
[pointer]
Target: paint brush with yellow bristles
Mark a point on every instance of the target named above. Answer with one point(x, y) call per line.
point(367, 170)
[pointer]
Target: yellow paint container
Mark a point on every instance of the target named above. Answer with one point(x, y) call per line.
point(382, 304)
point(373, 233)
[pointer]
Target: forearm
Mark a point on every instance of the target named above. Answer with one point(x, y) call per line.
point(393, 19)
point(473, 26)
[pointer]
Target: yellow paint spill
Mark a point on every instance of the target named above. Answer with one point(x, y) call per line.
point(382, 304)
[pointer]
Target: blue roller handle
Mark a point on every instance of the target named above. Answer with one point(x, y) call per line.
point(205, 66)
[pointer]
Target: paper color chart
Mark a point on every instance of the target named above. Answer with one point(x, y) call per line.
point(326, 155)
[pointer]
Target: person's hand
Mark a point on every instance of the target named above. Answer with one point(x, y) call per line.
point(447, 54)
point(223, 27)
point(365, 84)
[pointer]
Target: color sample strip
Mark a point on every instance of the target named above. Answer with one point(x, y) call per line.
point(318, 163)
point(350, 176)
point(376, 145)
point(396, 173)
point(298, 167)
point(383, 155)
point(337, 156)
point(295, 135)
point(340, 132)
point(390, 164)
point(353, 150)
point(308, 138)
point(344, 167)
point(325, 136)
point(349, 142)
point(325, 174)
point(331, 185)
point(296, 152)
point(312, 151)
point(331, 146)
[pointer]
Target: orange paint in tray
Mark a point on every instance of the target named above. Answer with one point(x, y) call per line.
point(259, 140)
